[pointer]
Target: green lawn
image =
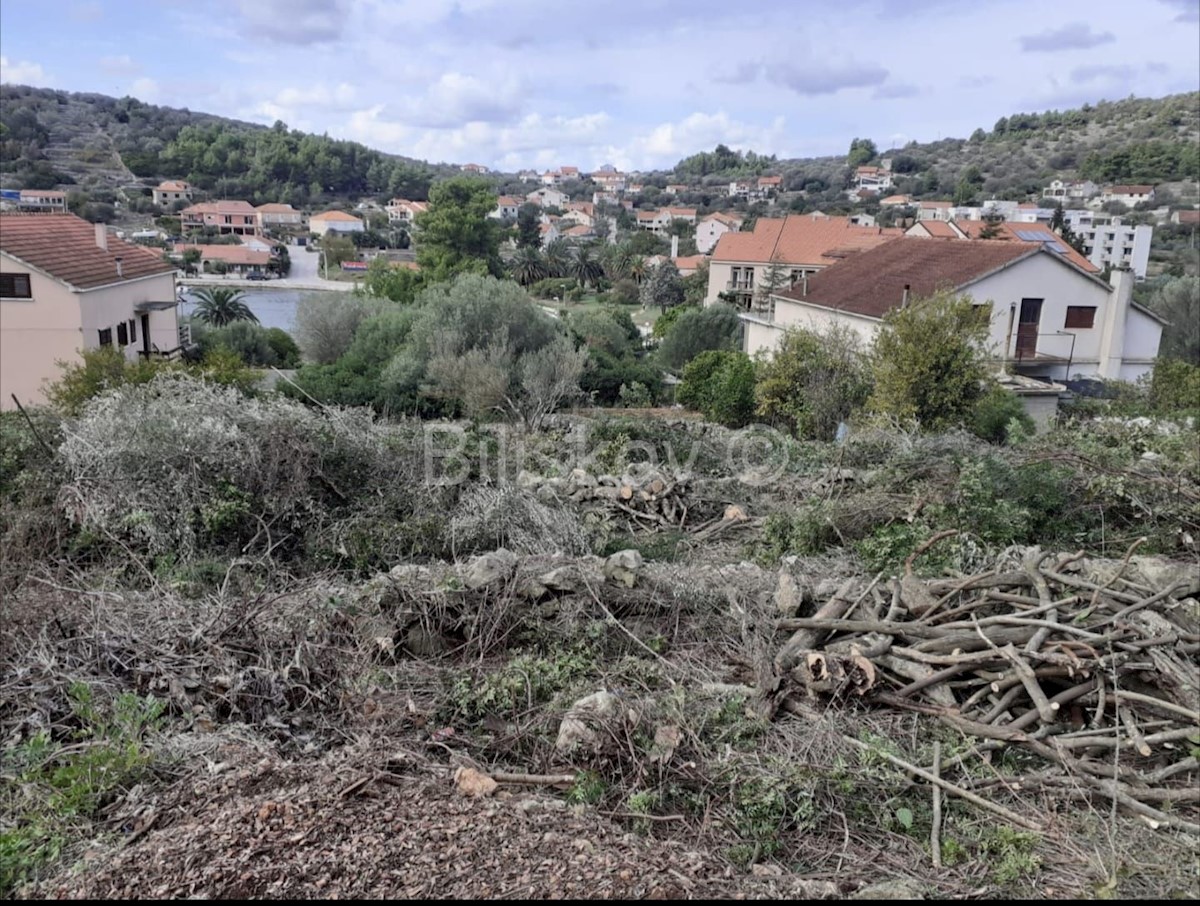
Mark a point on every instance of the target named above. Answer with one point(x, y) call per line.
point(641, 316)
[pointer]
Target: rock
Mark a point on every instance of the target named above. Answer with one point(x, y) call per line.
point(734, 513)
point(574, 729)
point(528, 479)
point(766, 870)
point(1162, 573)
point(491, 567)
point(471, 782)
point(546, 494)
point(562, 578)
point(422, 643)
point(787, 595)
point(409, 573)
point(581, 479)
point(826, 589)
point(623, 567)
point(896, 889)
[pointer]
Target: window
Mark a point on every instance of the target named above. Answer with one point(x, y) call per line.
point(122, 334)
point(106, 337)
point(133, 330)
point(15, 286)
point(1080, 316)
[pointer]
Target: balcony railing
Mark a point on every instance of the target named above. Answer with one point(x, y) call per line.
point(740, 286)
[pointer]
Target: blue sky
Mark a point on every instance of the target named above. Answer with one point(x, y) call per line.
point(636, 83)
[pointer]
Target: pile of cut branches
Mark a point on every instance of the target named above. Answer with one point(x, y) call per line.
point(1091, 667)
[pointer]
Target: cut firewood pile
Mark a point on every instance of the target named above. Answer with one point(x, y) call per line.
point(1088, 665)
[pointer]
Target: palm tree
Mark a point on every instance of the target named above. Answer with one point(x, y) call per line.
point(616, 262)
point(222, 305)
point(637, 268)
point(586, 269)
point(527, 266)
point(557, 258)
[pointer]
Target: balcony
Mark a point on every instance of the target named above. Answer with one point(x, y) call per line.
point(740, 286)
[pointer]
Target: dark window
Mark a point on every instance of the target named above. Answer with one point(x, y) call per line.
point(15, 286)
point(1080, 316)
point(133, 330)
point(106, 337)
point(122, 334)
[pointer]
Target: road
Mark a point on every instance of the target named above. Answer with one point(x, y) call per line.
point(303, 275)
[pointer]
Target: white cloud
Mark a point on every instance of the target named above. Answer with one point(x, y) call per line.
point(122, 65)
point(22, 72)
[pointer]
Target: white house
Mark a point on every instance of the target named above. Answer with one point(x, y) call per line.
point(274, 215)
point(935, 210)
point(66, 285)
point(547, 198)
point(403, 212)
point(1127, 195)
point(712, 228)
point(335, 222)
point(873, 179)
point(167, 193)
point(1048, 319)
point(507, 207)
point(1070, 190)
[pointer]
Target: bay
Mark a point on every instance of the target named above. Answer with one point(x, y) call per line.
point(272, 307)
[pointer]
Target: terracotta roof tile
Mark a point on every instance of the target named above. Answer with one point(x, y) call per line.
point(872, 282)
point(339, 216)
point(231, 254)
point(1008, 231)
point(220, 207)
point(800, 240)
point(938, 229)
point(276, 208)
point(64, 246)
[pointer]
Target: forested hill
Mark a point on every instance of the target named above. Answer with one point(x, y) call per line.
point(1134, 140)
point(48, 138)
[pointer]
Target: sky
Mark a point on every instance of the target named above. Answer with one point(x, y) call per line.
point(637, 84)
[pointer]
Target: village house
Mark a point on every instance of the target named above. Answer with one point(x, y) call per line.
point(1064, 190)
point(675, 188)
point(769, 184)
point(335, 222)
point(279, 216)
point(872, 179)
point(1002, 231)
point(38, 201)
point(1107, 241)
point(231, 259)
point(609, 181)
point(712, 228)
point(66, 285)
point(477, 169)
point(1186, 218)
point(895, 201)
point(166, 194)
point(580, 212)
point(549, 231)
point(547, 198)
point(1127, 195)
point(227, 217)
point(935, 210)
point(562, 174)
point(687, 215)
point(1048, 319)
point(507, 207)
point(402, 212)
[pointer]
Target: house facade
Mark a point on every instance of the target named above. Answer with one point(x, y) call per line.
point(167, 193)
point(402, 212)
point(547, 198)
point(1048, 319)
point(279, 216)
point(507, 207)
point(610, 181)
point(1127, 195)
point(335, 222)
point(66, 285)
point(1115, 244)
point(872, 179)
point(783, 250)
point(36, 201)
point(231, 259)
point(227, 217)
point(1064, 190)
point(712, 228)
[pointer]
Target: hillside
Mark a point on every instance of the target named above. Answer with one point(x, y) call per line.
point(50, 138)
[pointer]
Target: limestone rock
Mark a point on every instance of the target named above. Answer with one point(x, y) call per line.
point(623, 567)
point(574, 729)
point(787, 595)
point(485, 569)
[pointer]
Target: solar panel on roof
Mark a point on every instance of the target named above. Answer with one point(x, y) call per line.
point(1055, 247)
point(1031, 235)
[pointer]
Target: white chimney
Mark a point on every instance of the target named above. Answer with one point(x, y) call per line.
point(674, 246)
point(1112, 333)
point(120, 273)
point(102, 236)
point(904, 298)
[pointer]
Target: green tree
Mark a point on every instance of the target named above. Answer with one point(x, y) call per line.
point(190, 260)
point(397, 283)
point(335, 250)
point(586, 269)
point(720, 384)
point(929, 361)
point(1177, 299)
point(527, 265)
point(862, 151)
point(662, 287)
point(814, 381)
point(529, 235)
point(698, 330)
point(557, 258)
point(221, 305)
point(456, 233)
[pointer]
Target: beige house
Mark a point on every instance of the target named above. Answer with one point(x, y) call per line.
point(783, 250)
point(169, 192)
point(335, 222)
point(66, 286)
point(227, 217)
point(276, 216)
point(1048, 318)
point(233, 259)
point(403, 212)
point(45, 201)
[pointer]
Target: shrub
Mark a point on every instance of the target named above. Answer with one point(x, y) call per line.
point(553, 287)
point(928, 361)
point(665, 321)
point(995, 413)
point(247, 340)
point(287, 353)
point(1175, 387)
point(720, 385)
point(814, 381)
point(606, 374)
point(716, 327)
point(609, 330)
point(326, 322)
point(101, 370)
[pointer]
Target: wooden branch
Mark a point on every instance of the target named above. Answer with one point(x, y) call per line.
point(935, 828)
point(534, 779)
point(1046, 711)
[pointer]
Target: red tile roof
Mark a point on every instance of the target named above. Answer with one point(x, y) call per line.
point(1129, 190)
point(730, 220)
point(1008, 231)
point(764, 181)
point(339, 216)
point(800, 240)
point(230, 254)
point(172, 185)
point(64, 246)
point(276, 208)
point(1188, 216)
point(937, 229)
point(896, 199)
point(872, 282)
point(220, 207)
